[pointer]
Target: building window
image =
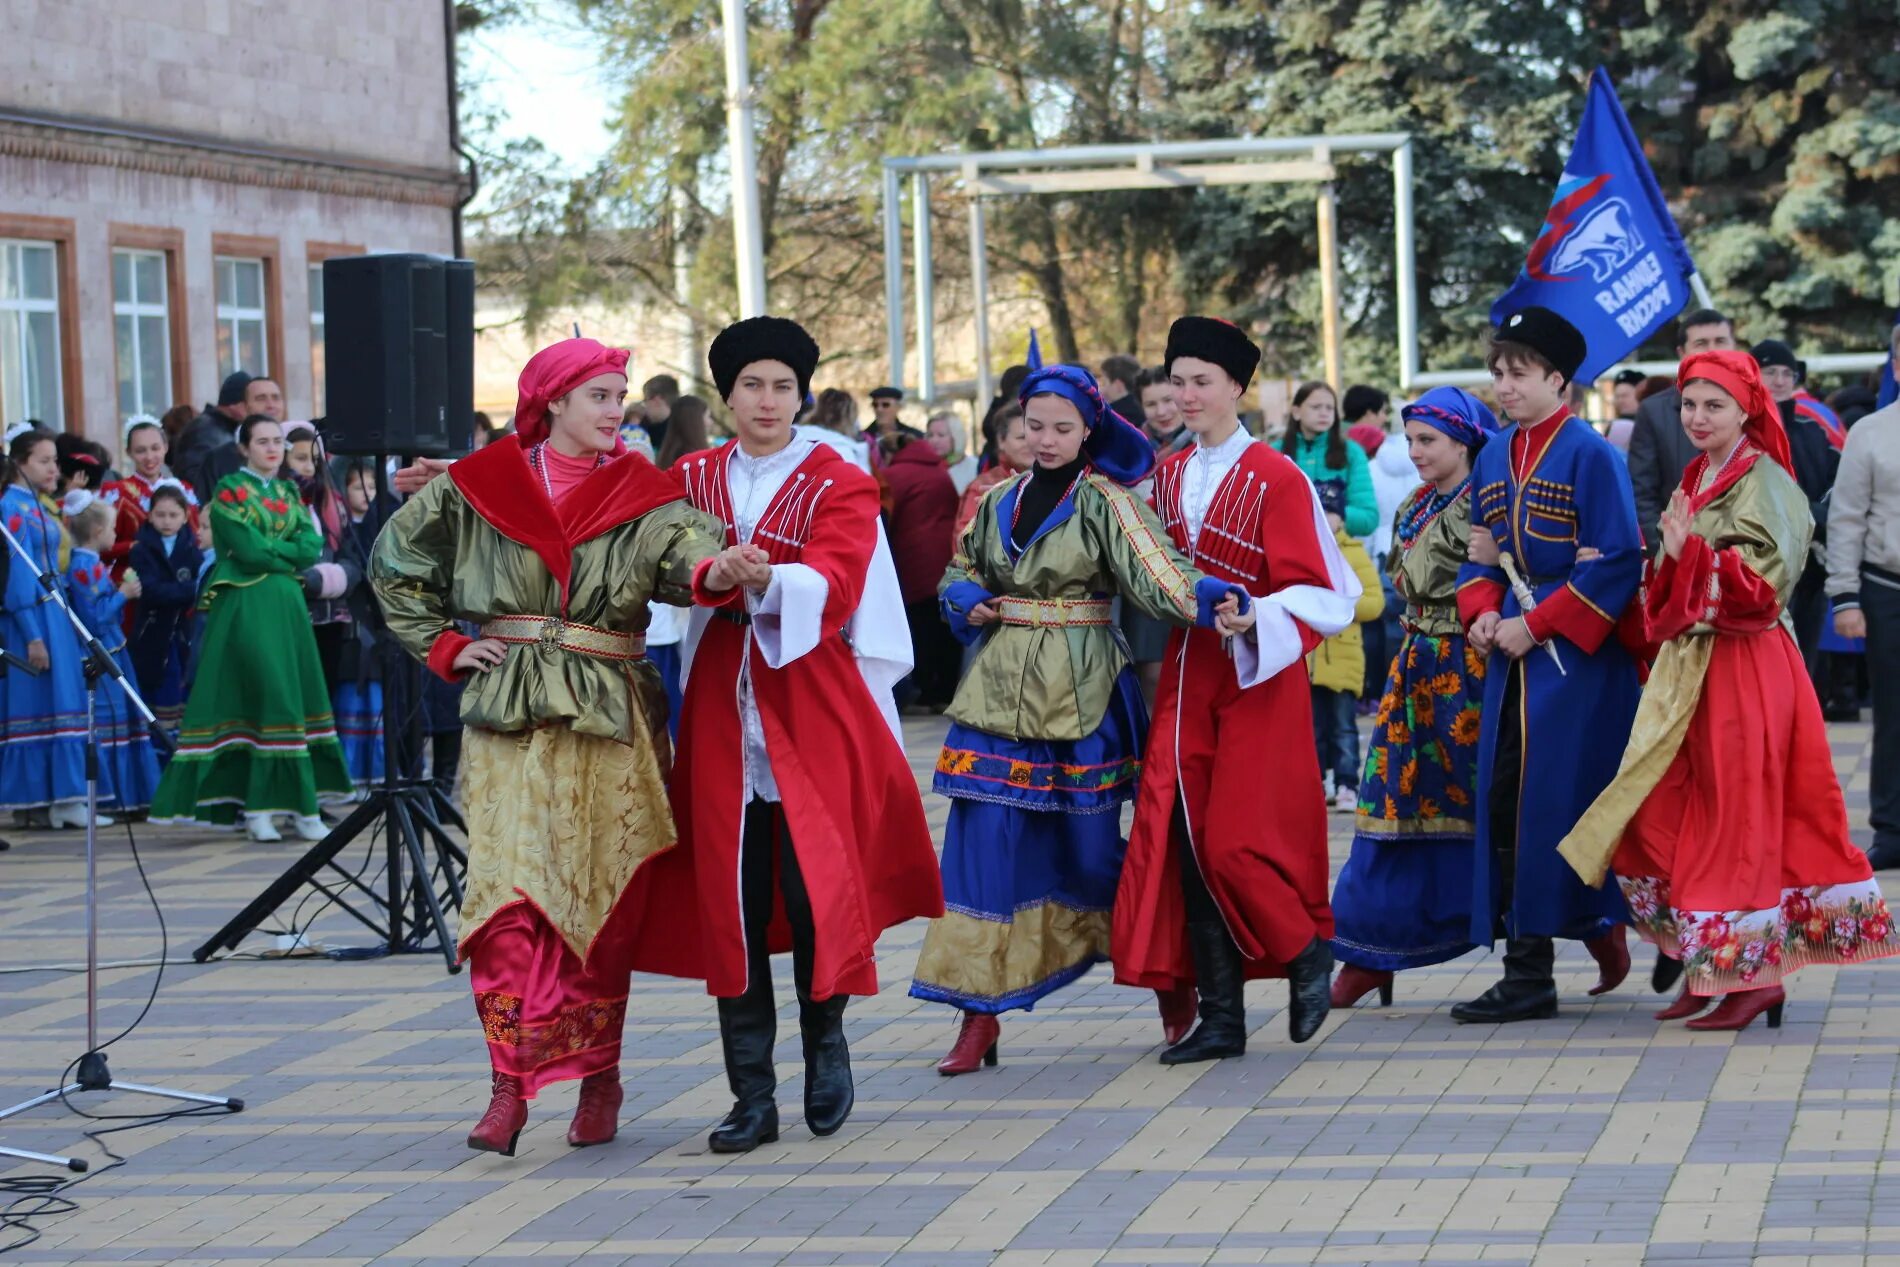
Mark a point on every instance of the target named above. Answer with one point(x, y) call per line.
point(242, 337)
point(30, 368)
point(141, 321)
point(316, 338)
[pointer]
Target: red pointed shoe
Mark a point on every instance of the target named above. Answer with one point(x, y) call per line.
point(1354, 983)
point(1686, 1005)
point(501, 1126)
point(1177, 1012)
point(597, 1112)
point(1612, 953)
point(975, 1045)
point(1738, 1009)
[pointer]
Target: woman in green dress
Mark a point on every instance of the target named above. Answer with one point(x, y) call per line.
point(258, 736)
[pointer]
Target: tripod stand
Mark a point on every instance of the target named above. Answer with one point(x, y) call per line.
point(412, 809)
point(92, 1073)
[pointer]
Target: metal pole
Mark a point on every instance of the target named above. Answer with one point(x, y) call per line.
point(748, 240)
point(1405, 266)
point(1328, 275)
point(679, 212)
point(926, 298)
point(980, 300)
point(894, 274)
point(1701, 289)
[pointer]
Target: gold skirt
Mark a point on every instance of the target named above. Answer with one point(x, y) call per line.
point(560, 819)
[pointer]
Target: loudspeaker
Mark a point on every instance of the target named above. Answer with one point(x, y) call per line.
point(399, 354)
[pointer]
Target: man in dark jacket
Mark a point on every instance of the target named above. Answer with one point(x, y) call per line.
point(1659, 449)
point(260, 397)
point(1816, 463)
point(211, 429)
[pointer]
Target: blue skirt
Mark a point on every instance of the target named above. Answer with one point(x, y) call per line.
point(1402, 903)
point(359, 729)
point(128, 766)
point(43, 723)
point(1032, 857)
point(666, 658)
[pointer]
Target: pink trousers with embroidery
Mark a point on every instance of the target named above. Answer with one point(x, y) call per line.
point(548, 1016)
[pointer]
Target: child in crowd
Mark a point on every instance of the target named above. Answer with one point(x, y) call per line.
point(1338, 665)
point(166, 558)
point(128, 769)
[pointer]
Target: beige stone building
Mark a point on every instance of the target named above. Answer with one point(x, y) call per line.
point(174, 172)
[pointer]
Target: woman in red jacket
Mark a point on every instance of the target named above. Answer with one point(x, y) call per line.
point(922, 523)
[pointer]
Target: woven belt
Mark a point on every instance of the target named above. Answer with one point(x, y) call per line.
point(548, 631)
point(1417, 612)
point(1052, 612)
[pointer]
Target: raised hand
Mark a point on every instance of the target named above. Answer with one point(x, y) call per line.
point(411, 479)
point(1675, 524)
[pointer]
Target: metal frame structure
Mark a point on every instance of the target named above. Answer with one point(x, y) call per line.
point(1099, 168)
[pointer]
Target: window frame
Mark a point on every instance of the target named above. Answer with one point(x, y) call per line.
point(171, 244)
point(247, 247)
point(58, 232)
point(314, 254)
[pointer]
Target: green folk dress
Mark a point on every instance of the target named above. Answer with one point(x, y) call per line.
point(258, 735)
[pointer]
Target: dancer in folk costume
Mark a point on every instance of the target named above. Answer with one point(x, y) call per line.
point(1725, 824)
point(801, 828)
point(131, 494)
point(128, 768)
point(42, 713)
point(1226, 873)
point(1560, 689)
point(552, 540)
point(1049, 722)
point(1403, 899)
point(258, 737)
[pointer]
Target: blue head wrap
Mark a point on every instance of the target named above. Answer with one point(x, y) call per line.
point(1115, 446)
point(1456, 412)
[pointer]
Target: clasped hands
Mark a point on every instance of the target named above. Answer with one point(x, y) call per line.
point(737, 566)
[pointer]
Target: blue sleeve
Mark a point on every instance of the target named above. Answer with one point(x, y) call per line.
point(25, 621)
point(1362, 501)
point(1606, 522)
point(1209, 593)
point(958, 598)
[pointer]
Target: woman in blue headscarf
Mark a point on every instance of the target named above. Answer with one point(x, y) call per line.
point(1048, 722)
point(1403, 899)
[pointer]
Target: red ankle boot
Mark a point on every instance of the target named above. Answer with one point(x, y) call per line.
point(501, 1126)
point(1738, 1009)
point(975, 1045)
point(1686, 1004)
point(1177, 1012)
point(1612, 953)
point(597, 1112)
point(1354, 983)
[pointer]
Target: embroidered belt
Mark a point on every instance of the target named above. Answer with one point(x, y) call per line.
point(549, 631)
point(1053, 612)
point(1416, 613)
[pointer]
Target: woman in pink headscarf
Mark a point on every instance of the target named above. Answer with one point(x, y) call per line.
point(1725, 824)
point(552, 540)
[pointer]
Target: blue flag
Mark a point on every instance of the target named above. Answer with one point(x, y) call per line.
point(1889, 389)
point(1609, 257)
point(1034, 359)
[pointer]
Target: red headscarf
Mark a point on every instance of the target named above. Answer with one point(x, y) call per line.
point(1737, 374)
point(555, 371)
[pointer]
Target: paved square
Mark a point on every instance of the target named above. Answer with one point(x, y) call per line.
point(1599, 1137)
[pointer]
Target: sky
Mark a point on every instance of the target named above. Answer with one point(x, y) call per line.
point(545, 75)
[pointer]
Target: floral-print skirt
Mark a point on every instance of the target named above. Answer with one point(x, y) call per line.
point(1739, 861)
point(1403, 899)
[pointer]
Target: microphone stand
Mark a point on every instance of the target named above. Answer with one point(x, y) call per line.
point(92, 1074)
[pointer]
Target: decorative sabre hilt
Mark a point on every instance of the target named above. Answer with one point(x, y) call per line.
point(1527, 601)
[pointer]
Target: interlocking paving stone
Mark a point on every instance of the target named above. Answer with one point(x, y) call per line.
point(1598, 1139)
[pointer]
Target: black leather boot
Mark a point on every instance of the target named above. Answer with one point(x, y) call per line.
point(748, 1026)
point(1309, 979)
point(1663, 977)
point(1223, 1028)
point(1527, 993)
point(829, 1093)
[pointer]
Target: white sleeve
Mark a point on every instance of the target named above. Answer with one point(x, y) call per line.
point(787, 620)
point(1275, 642)
point(880, 633)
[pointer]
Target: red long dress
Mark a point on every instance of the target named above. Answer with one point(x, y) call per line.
point(1237, 761)
point(1734, 851)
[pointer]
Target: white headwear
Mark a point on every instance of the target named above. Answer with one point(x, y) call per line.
point(17, 429)
point(75, 502)
point(137, 420)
